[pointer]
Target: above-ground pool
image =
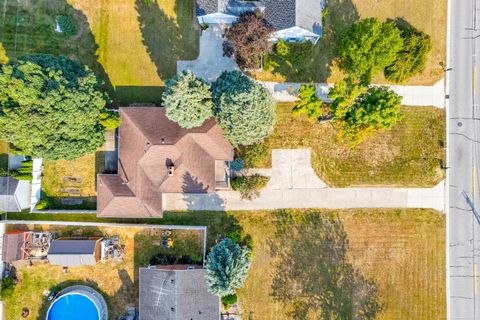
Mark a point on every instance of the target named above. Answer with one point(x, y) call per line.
point(77, 303)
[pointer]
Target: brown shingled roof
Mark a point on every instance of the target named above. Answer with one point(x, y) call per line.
point(148, 144)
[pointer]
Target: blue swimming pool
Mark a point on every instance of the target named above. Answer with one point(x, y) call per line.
point(73, 306)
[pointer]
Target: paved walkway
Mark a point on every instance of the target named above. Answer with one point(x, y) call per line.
point(293, 184)
point(210, 62)
point(37, 169)
point(412, 95)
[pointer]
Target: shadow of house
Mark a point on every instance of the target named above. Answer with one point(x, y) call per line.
point(167, 39)
point(28, 27)
point(313, 275)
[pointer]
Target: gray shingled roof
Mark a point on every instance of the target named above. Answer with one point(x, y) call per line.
point(176, 295)
point(72, 253)
point(281, 14)
point(8, 201)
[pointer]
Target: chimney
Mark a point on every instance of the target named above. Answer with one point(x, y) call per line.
point(171, 170)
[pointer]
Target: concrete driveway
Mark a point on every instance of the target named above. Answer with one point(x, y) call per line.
point(210, 62)
point(294, 184)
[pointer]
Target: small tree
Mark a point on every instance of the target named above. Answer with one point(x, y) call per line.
point(188, 100)
point(309, 103)
point(375, 110)
point(411, 59)
point(369, 46)
point(50, 107)
point(249, 186)
point(228, 265)
point(243, 108)
point(248, 40)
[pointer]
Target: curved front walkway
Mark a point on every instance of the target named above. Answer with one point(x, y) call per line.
point(293, 184)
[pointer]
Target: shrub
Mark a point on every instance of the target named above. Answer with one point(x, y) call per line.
point(109, 120)
point(248, 39)
point(66, 24)
point(249, 186)
point(255, 155)
point(368, 46)
point(229, 300)
point(244, 109)
point(227, 266)
point(236, 165)
point(204, 26)
point(8, 286)
point(43, 204)
point(411, 59)
point(187, 100)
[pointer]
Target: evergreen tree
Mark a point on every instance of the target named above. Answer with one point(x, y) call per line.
point(359, 111)
point(228, 265)
point(309, 103)
point(188, 100)
point(367, 47)
point(411, 59)
point(243, 108)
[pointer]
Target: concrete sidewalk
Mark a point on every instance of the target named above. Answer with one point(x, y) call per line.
point(294, 184)
point(412, 95)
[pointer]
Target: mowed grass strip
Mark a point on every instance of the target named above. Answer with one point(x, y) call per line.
point(409, 155)
point(401, 251)
point(428, 16)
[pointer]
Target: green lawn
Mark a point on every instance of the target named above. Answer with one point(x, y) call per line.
point(410, 155)
point(428, 16)
point(74, 179)
point(401, 252)
point(132, 46)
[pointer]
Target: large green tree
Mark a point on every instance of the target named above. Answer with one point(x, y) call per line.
point(228, 265)
point(411, 59)
point(359, 112)
point(368, 46)
point(52, 107)
point(309, 103)
point(188, 100)
point(243, 108)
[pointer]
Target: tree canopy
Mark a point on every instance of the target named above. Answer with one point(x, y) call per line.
point(369, 46)
point(243, 108)
point(228, 265)
point(359, 112)
point(309, 103)
point(51, 107)
point(188, 100)
point(411, 59)
point(248, 40)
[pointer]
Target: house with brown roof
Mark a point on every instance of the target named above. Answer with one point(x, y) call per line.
point(157, 156)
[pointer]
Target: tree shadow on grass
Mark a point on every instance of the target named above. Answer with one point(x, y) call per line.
point(167, 39)
point(313, 276)
point(28, 27)
point(315, 65)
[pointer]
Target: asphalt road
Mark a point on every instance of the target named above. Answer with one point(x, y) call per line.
point(464, 157)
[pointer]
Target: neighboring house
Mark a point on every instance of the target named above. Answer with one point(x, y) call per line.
point(176, 295)
point(14, 194)
point(157, 156)
point(294, 20)
point(73, 253)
